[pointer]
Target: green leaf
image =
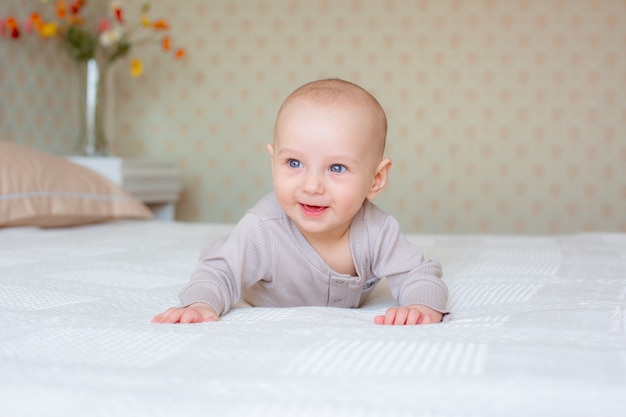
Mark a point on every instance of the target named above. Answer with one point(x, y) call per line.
point(79, 43)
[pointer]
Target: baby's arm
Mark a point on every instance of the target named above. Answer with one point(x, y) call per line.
point(409, 315)
point(195, 313)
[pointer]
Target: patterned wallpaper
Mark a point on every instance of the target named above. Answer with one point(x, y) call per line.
point(505, 116)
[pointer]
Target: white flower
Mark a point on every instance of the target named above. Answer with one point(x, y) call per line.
point(111, 36)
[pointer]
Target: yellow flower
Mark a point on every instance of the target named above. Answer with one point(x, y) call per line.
point(136, 67)
point(145, 22)
point(48, 30)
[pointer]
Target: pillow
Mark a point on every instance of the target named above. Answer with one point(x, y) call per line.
point(45, 190)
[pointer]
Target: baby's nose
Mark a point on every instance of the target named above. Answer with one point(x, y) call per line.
point(313, 183)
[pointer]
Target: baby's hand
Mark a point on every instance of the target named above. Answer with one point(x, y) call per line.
point(409, 315)
point(195, 313)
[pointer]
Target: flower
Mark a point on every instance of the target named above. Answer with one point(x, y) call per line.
point(107, 40)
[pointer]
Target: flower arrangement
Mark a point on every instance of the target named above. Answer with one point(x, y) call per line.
point(94, 46)
point(108, 39)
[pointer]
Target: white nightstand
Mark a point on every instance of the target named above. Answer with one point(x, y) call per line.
point(157, 184)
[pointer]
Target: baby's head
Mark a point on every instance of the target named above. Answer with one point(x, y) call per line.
point(327, 154)
point(351, 97)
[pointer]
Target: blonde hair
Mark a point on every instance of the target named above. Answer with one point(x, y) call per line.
point(334, 90)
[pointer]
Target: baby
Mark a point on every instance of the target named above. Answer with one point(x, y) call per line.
point(318, 240)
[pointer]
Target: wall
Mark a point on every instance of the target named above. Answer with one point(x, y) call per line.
point(505, 116)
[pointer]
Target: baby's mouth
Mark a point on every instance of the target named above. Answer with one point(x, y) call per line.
point(313, 211)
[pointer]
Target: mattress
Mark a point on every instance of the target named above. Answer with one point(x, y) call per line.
point(537, 329)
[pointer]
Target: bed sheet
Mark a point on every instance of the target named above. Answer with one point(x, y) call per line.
point(537, 328)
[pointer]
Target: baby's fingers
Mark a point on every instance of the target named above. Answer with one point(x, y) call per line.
point(392, 316)
point(171, 315)
point(414, 317)
point(400, 316)
point(190, 316)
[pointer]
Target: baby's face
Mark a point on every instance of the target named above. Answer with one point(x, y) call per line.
point(324, 161)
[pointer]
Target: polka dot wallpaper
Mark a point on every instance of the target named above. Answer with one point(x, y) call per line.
point(504, 116)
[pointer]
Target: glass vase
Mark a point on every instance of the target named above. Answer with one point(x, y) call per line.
point(94, 95)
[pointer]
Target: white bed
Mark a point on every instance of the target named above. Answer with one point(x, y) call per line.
point(537, 329)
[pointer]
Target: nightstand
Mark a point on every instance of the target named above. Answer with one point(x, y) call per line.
point(157, 184)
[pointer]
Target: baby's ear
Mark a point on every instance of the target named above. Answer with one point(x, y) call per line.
point(270, 149)
point(380, 178)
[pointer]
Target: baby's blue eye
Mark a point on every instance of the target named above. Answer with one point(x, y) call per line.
point(294, 163)
point(337, 168)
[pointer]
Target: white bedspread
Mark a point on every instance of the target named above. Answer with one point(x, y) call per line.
point(537, 329)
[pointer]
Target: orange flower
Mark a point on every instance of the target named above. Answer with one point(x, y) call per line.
point(61, 9)
point(111, 38)
point(76, 20)
point(12, 23)
point(166, 43)
point(160, 24)
point(14, 27)
point(36, 20)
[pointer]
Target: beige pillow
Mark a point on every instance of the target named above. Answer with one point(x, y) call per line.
point(41, 189)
